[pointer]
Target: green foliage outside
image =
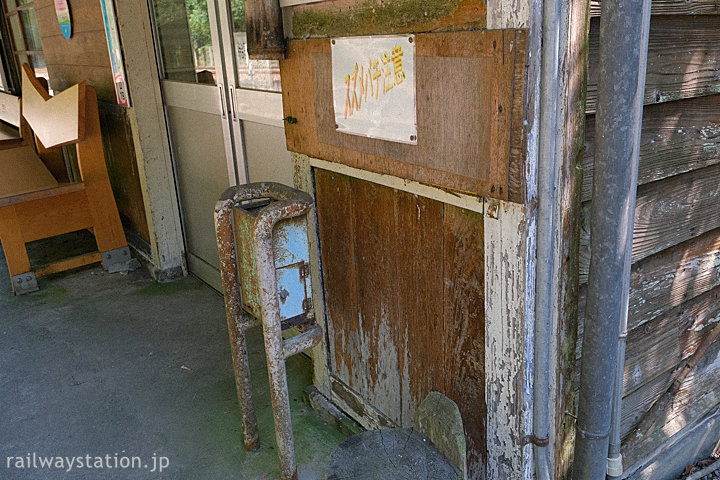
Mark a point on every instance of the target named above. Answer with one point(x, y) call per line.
point(168, 12)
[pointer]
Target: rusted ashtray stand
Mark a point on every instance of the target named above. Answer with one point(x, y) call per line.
point(264, 262)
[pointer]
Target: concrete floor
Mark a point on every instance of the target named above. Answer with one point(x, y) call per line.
point(118, 365)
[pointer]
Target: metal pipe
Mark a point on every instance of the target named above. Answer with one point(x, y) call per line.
point(287, 203)
point(272, 330)
point(545, 287)
point(614, 457)
point(302, 342)
point(237, 320)
point(624, 31)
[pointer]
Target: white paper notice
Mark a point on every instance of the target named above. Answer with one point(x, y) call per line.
point(373, 81)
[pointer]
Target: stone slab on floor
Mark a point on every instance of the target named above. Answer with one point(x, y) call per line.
point(398, 454)
point(98, 364)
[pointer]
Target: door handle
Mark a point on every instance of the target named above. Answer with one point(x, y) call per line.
point(233, 106)
point(221, 92)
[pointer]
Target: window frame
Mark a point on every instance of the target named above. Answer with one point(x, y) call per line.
point(15, 43)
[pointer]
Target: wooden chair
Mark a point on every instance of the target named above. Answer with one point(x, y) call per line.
point(37, 202)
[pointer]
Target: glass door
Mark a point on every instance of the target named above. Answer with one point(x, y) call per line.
point(224, 114)
point(256, 101)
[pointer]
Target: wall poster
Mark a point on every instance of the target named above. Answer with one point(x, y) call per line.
point(63, 15)
point(115, 50)
point(373, 81)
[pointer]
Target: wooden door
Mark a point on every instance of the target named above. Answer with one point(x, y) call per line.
point(404, 298)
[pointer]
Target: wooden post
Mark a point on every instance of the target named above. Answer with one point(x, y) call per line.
point(266, 40)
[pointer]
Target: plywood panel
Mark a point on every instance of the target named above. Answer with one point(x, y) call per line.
point(677, 137)
point(683, 59)
point(21, 171)
point(464, 312)
point(341, 18)
point(432, 128)
point(57, 120)
point(71, 214)
point(63, 76)
point(10, 109)
point(87, 48)
point(464, 119)
point(84, 17)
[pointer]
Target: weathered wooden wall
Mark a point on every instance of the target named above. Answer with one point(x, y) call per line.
point(672, 375)
point(422, 291)
point(469, 113)
point(569, 186)
point(404, 292)
point(342, 18)
point(85, 57)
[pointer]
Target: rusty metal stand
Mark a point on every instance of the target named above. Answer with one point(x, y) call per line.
point(285, 203)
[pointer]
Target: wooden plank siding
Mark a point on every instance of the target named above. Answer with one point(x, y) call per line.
point(683, 405)
point(683, 59)
point(672, 7)
point(677, 137)
point(668, 213)
point(674, 276)
point(404, 289)
point(82, 57)
point(674, 304)
point(420, 314)
point(463, 314)
point(469, 113)
point(674, 299)
point(655, 350)
point(675, 336)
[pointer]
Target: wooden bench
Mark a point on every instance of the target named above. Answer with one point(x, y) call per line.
point(36, 199)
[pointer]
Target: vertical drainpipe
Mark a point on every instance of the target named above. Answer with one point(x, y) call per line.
point(545, 286)
point(624, 29)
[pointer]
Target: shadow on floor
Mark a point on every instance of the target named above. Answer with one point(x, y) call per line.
point(118, 366)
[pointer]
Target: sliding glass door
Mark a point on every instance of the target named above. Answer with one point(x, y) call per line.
point(224, 114)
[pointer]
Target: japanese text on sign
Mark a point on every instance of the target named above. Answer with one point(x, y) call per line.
point(374, 87)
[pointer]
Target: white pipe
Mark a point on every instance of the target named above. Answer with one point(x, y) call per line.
point(546, 288)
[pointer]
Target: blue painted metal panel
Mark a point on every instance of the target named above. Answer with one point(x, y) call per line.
point(293, 289)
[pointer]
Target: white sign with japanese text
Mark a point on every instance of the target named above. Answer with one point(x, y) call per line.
point(373, 80)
